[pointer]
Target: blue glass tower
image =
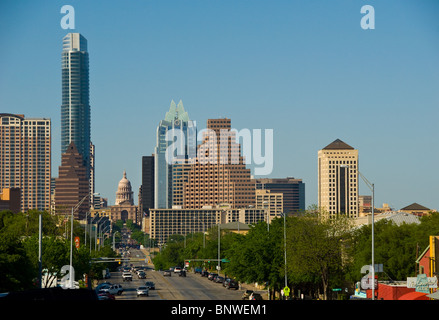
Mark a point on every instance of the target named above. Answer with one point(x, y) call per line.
point(75, 107)
point(176, 118)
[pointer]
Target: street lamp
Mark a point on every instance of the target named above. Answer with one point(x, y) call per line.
point(71, 240)
point(371, 186)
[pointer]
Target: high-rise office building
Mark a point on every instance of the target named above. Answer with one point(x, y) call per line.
point(72, 185)
point(293, 191)
point(25, 159)
point(338, 179)
point(219, 174)
point(147, 188)
point(75, 107)
point(175, 126)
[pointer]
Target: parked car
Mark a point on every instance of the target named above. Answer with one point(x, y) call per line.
point(143, 291)
point(198, 270)
point(211, 275)
point(204, 273)
point(167, 273)
point(219, 279)
point(246, 294)
point(232, 284)
point(150, 285)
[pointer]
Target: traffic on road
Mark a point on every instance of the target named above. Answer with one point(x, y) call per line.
point(139, 280)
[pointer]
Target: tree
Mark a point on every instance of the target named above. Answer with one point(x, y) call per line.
point(394, 247)
point(315, 247)
point(258, 256)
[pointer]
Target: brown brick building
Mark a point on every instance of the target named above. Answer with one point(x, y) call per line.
point(72, 184)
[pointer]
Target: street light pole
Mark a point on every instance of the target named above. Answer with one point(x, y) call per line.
point(371, 186)
point(285, 247)
point(71, 241)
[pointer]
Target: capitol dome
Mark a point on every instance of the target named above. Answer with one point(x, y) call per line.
point(124, 191)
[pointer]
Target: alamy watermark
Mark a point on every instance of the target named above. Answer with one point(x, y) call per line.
point(222, 148)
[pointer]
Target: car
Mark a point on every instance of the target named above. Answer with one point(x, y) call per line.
point(182, 273)
point(204, 273)
point(198, 270)
point(150, 285)
point(219, 279)
point(127, 276)
point(143, 291)
point(211, 275)
point(177, 270)
point(167, 273)
point(107, 289)
point(232, 284)
point(246, 294)
point(105, 296)
point(141, 275)
point(119, 289)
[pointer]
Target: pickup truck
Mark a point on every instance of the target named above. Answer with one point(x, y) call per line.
point(127, 276)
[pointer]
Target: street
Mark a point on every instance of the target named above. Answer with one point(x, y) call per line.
point(191, 287)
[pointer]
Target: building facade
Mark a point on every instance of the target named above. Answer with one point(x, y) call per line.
point(293, 191)
point(124, 208)
point(338, 179)
point(270, 201)
point(147, 188)
point(10, 199)
point(72, 184)
point(167, 222)
point(176, 125)
point(75, 107)
point(25, 159)
point(219, 174)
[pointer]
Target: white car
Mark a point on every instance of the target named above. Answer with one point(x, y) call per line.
point(127, 276)
point(143, 291)
point(110, 289)
point(177, 270)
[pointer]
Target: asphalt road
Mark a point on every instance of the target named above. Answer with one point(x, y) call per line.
point(191, 287)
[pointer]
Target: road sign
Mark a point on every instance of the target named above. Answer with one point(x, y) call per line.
point(286, 291)
point(77, 242)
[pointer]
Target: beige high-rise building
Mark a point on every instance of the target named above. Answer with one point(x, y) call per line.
point(219, 174)
point(271, 201)
point(338, 179)
point(25, 159)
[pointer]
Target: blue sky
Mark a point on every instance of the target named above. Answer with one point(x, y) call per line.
point(305, 69)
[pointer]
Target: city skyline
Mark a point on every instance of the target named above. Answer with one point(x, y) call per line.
point(306, 70)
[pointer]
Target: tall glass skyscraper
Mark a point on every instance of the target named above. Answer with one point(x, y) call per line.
point(75, 108)
point(176, 118)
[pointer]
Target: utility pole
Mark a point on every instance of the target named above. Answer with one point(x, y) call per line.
point(40, 251)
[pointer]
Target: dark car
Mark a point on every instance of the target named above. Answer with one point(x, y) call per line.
point(167, 273)
point(182, 273)
point(204, 273)
point(231, 284)
point(150, 285)
point(219, 279)
point(211, 276)
point(141, 275)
